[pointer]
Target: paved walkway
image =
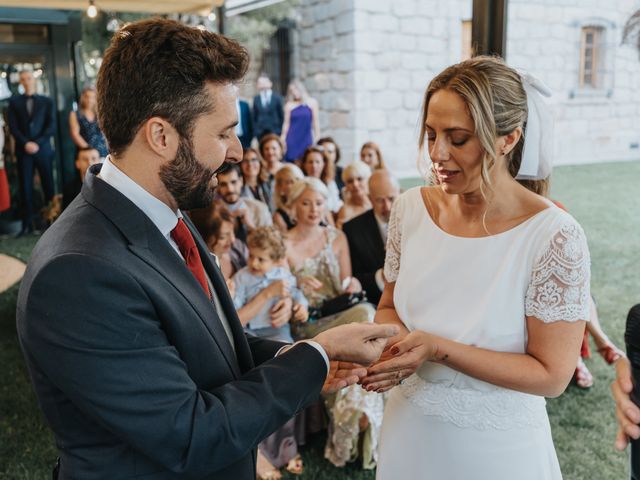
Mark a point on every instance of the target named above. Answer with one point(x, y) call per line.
point(11, 271)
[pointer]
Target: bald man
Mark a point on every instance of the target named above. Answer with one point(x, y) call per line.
point(367, 234)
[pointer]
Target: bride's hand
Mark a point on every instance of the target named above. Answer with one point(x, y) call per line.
point(400, 361)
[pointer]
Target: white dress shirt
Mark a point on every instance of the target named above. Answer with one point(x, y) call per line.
point(166, 220)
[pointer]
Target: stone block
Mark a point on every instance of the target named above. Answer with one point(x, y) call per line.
point(342, 63)
point(344, 22)
point(401, 80)
point(364, 61)
point(372, 42)
point(432, 45)
point(339, 120)
point(362, 100)
point(414, 61)
point(344, 43)
point(412, 101)
point(387, 99)
point(402, 42)
point(376, 119)
point(383, 23)
point(323, 30)
point(420, 80)
point(306, 37)
point(388, 61)
point(414, 25)
point(405, 8)
point(375, 6)
point(373, 80)
point(322, 82)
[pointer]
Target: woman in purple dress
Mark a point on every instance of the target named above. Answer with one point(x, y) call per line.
point(300, 126)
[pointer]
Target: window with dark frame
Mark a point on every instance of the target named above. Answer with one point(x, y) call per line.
point(590, 56)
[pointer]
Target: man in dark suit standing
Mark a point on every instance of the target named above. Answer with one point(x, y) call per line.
point(268, 109)
point(244, 129)
point(367, 234)
point(135, 351)
point(32, 123)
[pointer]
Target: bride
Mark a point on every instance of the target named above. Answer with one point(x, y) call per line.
point(490, 284)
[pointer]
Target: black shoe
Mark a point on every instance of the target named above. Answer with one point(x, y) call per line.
point(25, 231)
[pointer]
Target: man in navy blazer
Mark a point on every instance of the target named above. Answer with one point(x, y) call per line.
point(268, 109)
point(32, 124)
point(135, 351)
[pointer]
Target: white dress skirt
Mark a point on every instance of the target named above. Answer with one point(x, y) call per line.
point(442, 424)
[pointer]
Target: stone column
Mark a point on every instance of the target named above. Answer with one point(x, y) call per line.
point(368, 62)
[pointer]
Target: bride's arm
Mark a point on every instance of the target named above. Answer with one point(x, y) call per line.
point(544, 369)
point(386, 313)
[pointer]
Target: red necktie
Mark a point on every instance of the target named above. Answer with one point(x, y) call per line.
point(183, 238)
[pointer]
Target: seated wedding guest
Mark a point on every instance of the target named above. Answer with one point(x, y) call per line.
point(314, 164)
point(367, 234)
point(216, 225)
point(83, 124)
point(371, 155)
point(284, 180)
point(272, 151)
point(254, 177)
point(332, 153)
point(85, 157)
point(487, 281)
point(247, 212)
point(356, 192)
point(627, 412)
point(257, 288)
point(319, 258)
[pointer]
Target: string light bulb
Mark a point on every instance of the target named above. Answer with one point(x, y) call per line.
point(212, 16)
point(92, 10)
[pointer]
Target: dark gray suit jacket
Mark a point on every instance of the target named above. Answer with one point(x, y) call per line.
point(367, 252)
point(269, 118)
point(38, 128)
point(129, 360)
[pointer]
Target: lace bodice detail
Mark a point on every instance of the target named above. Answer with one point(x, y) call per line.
point(499, 409)
point(324, 267)
point(394, 238)
point(559, 286)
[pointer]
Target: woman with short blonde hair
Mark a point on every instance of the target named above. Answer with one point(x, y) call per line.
point(356, 192)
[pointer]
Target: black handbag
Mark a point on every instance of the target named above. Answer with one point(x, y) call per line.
point(337, 304)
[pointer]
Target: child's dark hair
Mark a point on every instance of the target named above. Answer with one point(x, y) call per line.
point(269, 239)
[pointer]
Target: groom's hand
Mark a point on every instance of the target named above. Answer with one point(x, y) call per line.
point(360, 343)
point(343, 374)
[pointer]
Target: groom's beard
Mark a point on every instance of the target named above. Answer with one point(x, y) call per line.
point(187, 180)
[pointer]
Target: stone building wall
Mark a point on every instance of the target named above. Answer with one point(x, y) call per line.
point(368, 63)
point(591, 125)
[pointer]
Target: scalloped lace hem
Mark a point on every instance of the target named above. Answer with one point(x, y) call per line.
point(500, 409)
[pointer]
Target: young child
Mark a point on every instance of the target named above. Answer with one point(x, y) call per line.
point(263, 282)
point(258, 287)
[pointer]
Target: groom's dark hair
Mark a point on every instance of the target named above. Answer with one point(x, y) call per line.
point(160, 67)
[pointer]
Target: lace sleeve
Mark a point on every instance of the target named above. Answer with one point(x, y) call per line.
point(394, 237)
point(559, 286)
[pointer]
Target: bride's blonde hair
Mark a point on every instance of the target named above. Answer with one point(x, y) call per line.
point(496, 101)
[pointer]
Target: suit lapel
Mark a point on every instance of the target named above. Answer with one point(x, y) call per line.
point(147, 243)
point(375, 237)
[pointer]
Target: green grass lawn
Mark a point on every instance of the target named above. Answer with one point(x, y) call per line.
point(604, 199)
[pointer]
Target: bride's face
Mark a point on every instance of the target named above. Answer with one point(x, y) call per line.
point(454, 148)
point(310, 208)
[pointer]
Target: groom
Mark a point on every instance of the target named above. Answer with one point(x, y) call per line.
point(136, 354)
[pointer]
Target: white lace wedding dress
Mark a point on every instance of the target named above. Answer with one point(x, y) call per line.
point(441, 424)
